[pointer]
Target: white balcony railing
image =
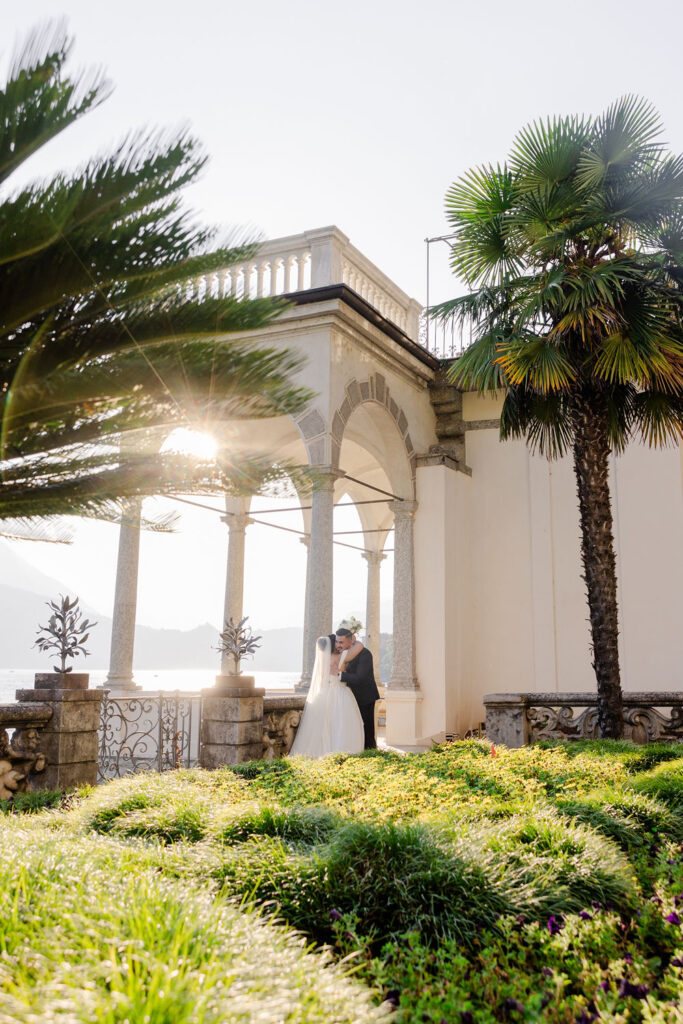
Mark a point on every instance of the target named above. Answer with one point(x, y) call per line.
point(315, 259)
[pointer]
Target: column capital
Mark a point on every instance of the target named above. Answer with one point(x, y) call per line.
point(237, 521)
point(373, 557)
point(323, 478)
point(403, 509)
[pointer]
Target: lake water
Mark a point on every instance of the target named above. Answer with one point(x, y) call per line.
point(152, 679)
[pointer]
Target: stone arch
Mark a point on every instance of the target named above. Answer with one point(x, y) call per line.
point(373, 390)
point(313, 430)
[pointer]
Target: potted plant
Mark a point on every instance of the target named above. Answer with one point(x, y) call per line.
point(66, 633)
point(237, 641)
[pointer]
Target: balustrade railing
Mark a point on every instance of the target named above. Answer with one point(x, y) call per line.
point(148, 732)
point(516, 719)
point(314, 259)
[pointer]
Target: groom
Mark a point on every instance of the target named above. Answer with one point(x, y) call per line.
point(360, 679)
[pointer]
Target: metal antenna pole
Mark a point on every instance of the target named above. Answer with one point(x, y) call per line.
point(427, 315)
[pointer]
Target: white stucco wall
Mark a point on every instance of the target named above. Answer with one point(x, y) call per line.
point(513, 615)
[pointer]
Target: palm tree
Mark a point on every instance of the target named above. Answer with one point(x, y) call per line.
point(104, 335)
point(573, 251)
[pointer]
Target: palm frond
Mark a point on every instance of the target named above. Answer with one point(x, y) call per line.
point(541, 420)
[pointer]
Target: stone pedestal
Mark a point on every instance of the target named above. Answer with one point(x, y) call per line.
point(232, 722)
point(70, 738)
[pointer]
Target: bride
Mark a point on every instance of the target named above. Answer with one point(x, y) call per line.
point(331, 721)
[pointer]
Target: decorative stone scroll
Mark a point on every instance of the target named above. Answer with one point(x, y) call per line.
point(516, 719)
point(20, 756)
point(281, 718)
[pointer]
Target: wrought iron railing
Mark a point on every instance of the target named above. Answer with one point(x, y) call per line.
point(146, 732)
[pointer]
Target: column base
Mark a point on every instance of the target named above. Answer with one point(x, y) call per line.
point(119, 686)
point(403, 727)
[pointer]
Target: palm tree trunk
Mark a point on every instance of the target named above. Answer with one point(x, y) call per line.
point(591, 466)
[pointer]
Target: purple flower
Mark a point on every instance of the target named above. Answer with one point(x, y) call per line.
point(547, 973)
point(513, 1004)
point(555, 924)
point(673, 918)
point(596, 906)
point(631, 989)
point(677, 961)
point(604, 985)
point(585, 916)
point(589, 1014)
point(466, 1017)
point(677, 901)
point(628, 959)
point(335, 915)
point(656, 900)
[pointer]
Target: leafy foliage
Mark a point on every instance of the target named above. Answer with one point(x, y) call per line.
point(238, 640)
point(573, 250)
point(541, 884)
point(66, 632)
point(111, 326)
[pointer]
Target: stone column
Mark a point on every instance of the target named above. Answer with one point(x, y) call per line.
point(304, 681)
point(403, 675)
point(374, 560)
point(120, 677)
point(318, 614)
point(234, 577)
point(70, 738)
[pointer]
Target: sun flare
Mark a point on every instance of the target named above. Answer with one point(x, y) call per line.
point(191, 442)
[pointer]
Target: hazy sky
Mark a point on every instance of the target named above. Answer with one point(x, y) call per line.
point(358, 114)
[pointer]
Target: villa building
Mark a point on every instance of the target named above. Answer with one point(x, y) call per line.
point(487, 588)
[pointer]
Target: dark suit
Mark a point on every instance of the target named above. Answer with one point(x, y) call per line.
point(360, 679)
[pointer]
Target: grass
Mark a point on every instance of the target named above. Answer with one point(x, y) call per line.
point(538, 885)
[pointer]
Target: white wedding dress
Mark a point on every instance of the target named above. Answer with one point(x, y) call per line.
point(331, 722)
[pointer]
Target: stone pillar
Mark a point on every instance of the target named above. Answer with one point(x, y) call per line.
point(403, 697)
point(120, 677)
point(318, 614)
point(70, 739)
point(403, 669)
point(234, 577)
point(232, 727)
point(304, 681)
point(374, 560)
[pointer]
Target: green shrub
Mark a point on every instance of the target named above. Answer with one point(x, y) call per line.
point(89, 935)
point(29, 803)
point(393, 878)
point(307, 825)
point(664, 783)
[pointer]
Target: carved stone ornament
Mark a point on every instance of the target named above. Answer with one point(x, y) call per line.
point(279, 730)
point(19, 760)
point(516, 719)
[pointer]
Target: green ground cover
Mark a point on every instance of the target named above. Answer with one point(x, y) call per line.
point(543, 884)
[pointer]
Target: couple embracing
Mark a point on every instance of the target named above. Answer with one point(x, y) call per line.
point(339, 715)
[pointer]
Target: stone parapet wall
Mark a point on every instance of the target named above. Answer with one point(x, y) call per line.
point(516, 719)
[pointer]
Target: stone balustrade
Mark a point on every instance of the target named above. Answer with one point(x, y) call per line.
point(314, 259)
point(20, 755)
point(516, 719)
